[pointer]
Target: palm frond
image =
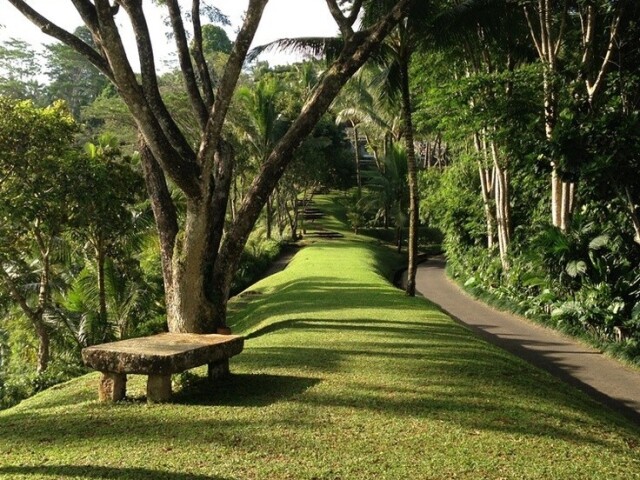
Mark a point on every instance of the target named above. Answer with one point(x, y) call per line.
point(461, 21)
point(317, 47)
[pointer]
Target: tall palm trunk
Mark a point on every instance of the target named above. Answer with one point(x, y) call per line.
point(412, 173)
point(41, 329)
point(356, 147)
point(102, 293)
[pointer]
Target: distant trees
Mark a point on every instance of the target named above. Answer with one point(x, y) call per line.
point(522, 93)
point(199, 261)
point(71, 77)
point(56, 199)
point(19, 69)
point(38, 190)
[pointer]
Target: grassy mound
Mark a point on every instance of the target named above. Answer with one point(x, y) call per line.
point(342, 377)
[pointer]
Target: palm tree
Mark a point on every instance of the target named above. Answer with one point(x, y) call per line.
point(395, 59)
point(261, 124)
point(354, 106)
point(388, 192)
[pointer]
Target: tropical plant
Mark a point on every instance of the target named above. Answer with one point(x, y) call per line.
point(37, 184)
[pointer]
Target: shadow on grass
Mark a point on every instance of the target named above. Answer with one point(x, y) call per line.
point(106, 473)
point(315, 295)
point(243, 390)
point(366, 326)
point(200, 404)
point(456, 384)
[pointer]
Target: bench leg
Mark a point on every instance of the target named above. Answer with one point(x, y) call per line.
point(112, 387)
point(158, 388)
point(219, 369)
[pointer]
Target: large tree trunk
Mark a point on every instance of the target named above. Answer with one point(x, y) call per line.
point(198, 265)
point(188, 308)
point(412, 250)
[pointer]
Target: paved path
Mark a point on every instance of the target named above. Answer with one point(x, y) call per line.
point(604, 379)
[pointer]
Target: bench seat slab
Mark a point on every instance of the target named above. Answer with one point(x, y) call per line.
point(159, 356)
point(162, 354)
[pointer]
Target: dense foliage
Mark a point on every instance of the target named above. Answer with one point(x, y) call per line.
point(527, 155)
point(79, 253)
point(521, 130)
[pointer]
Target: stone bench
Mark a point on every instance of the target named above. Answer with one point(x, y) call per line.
point(159, 356)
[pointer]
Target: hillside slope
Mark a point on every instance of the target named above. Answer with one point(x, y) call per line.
point(343, 376)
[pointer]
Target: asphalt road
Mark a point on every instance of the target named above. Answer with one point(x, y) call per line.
point(607, 380)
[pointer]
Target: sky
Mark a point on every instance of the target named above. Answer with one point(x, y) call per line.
point(282, 18)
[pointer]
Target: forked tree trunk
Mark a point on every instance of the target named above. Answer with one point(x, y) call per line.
point(547, 38)
point(487, 182)
point(502, 206)
point(198, 265)
point(502, 215)
point(487, 185)
point(188, 262)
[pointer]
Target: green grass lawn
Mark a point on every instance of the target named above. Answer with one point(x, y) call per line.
point(342, 377)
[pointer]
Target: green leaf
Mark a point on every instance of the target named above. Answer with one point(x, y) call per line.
point(599, 242)
point(575, 268)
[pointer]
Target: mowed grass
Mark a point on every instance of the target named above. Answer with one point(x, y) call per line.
point(342, 377)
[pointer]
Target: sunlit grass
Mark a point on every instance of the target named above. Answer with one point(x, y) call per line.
point(342, 376)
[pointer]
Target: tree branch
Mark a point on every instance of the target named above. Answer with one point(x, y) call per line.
point(355, 11)
point(198, 55)
point(341, 20)
point(563, 23)
point(594, 87)
point(53, 30)
point(88, 13)
point(188, 74)
point(16, 295)
point(228, 82)
point(532, 30)
point(150, 80)
point(354, 54)
point(171, 150)
point(164, 210)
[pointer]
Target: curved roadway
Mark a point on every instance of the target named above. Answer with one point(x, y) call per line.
point(605, 379)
